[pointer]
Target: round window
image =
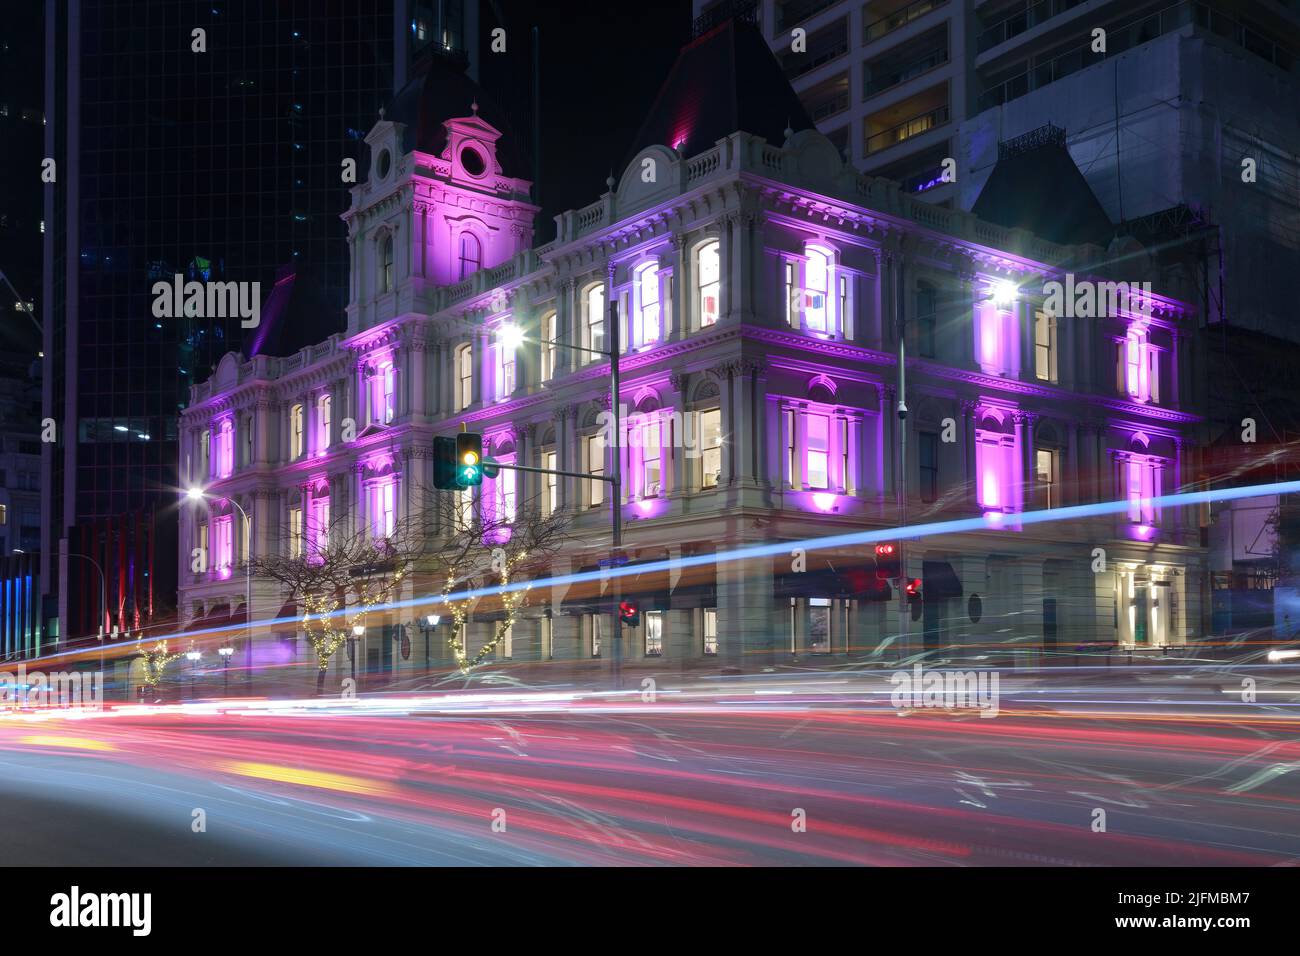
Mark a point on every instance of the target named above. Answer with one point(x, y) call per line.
point(975, 608)
point(472, 161)
point(385, 163)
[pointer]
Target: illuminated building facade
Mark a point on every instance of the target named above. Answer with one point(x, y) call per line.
point(760, 283)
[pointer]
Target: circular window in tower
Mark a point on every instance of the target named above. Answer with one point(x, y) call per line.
point(385, 163)
point(471, 160)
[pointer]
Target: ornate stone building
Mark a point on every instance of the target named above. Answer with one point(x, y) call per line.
point(760, 286)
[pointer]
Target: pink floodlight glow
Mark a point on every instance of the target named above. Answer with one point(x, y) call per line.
point(824, 501)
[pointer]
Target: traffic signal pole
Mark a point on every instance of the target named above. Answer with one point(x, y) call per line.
point(904, 637)
point(616, 495)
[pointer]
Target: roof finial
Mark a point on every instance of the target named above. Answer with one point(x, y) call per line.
point(788, 131)
point(609, 180)
point(474, 107)
point(381, 112)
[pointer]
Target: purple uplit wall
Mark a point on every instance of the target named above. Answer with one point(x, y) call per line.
point(997, 341)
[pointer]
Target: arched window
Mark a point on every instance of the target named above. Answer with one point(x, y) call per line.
point(595, 304)
point(646, 320)
point(708, 272)
point(464, 376)
point(471, 254)
point(386, 264)
point(817, 285)
point(323, 412)
point(548, 329)
point(295, 432)
point(226, 449)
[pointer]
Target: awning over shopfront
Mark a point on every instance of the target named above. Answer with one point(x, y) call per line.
point(939, 581)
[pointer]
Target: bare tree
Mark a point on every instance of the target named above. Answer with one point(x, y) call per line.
point(448, 545)
point(484, 545)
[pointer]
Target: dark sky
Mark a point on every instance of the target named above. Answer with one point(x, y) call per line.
point(601, 66)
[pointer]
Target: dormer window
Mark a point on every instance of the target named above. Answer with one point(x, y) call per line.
point(471, 254)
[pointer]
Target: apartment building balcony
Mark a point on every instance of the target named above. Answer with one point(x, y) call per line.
point(907, 119)
point(884, 18)
point(827, 44)
point(905, 62)
point(827, 98)
point(1126, 33)
point(1020, 20)
point(795, 12)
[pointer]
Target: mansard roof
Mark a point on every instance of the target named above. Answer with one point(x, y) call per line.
point(1037, 186)
point(724, 81)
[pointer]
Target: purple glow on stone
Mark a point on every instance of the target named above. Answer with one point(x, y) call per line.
point(824, 501)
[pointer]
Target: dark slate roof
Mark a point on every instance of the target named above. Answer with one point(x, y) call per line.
point(441, 92)
point(295, 315)
point(1039, 188)
point(724, 81)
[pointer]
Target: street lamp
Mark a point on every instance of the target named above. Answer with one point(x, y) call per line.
point(358, 631)
point(225, 653)
point(511, 336)
point(193, 658)
point(103, 601)
point(197, 494)
point(427, 626)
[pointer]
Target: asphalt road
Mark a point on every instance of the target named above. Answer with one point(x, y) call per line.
point(806, 771)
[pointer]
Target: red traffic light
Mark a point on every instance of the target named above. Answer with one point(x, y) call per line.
point(913, 587)
point(888, 562)
point(884, 550)
point(629, 613)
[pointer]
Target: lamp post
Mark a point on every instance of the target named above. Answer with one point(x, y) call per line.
point(193, 658)
point(225, 653)
point(428, 625)
point(358, 631)
point(197, 494)
point(511, 336)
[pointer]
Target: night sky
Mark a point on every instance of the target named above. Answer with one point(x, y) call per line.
point(602, 65)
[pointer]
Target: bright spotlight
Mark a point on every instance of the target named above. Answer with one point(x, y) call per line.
point(194, 494)
point(1003, 292)
point(510, 336)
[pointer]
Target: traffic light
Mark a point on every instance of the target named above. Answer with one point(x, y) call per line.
point(888, 562)
point(629, 613)
point(913, 591)
point(444, 464)
point(469, 459)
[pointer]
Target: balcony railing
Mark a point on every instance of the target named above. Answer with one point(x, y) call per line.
point(1134, 33)
point(900, 18)
point(893, 77)
point(829, 106)
point(915, 126)
point(802, 63)
point(1017, 23)
point(792, 13)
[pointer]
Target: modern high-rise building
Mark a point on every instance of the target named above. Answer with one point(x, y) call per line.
point(206, 140)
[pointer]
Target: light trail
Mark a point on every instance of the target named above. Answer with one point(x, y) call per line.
point(905, 532)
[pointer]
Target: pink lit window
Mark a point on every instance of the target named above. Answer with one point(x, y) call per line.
point(323, 411)
point(503, 494)
point(818, 455)
point(383, 507)
point(651, 473)
point(471, 254)
point(320, 525)
point(383, 390)
point(817, 277)
point(995, 457)
point(223, 530)
point(226, 449)
point(1142, 481)
point(1141, 367)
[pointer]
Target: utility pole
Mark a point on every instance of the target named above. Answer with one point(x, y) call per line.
point(900, 481)
point(616, 489)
